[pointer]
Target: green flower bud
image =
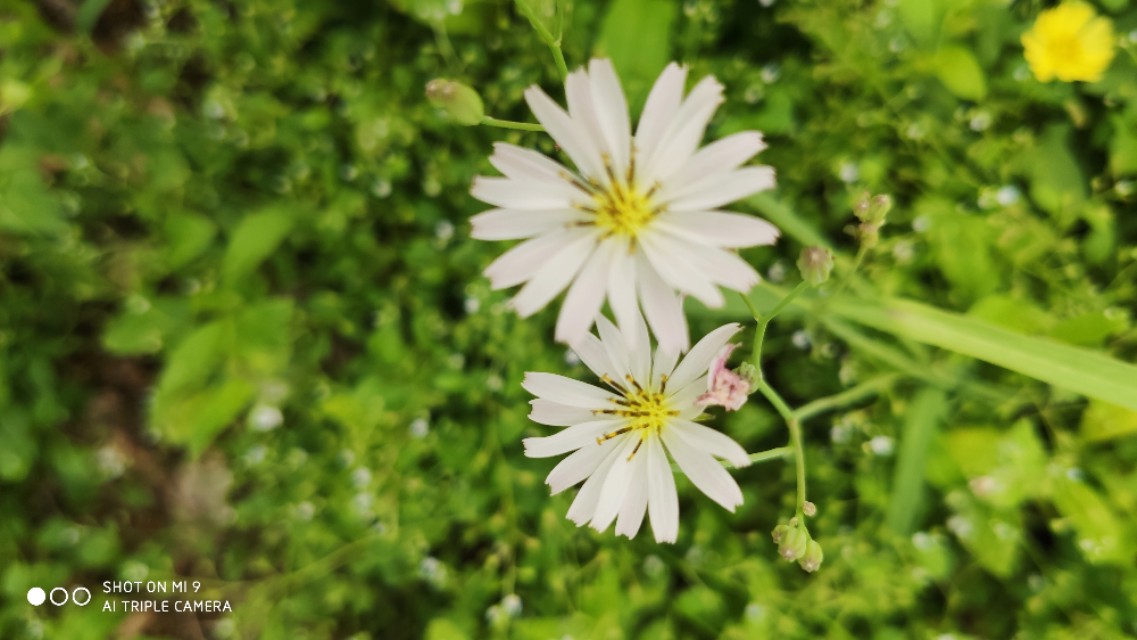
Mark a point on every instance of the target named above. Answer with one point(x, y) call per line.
point(794, 543)
point(749, 373)
point(815, 265)
point(812, 558)
point(778, 533)
point(809, 509)
point(872, 210)
point(460, 102)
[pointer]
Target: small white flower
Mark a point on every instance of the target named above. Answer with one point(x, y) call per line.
point(638, 221)
point(621, 437)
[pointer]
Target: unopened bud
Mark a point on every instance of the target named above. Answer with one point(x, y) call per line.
point(749, 372)
point(815, 264)
point(811, 560)
point(794, 543)
point(872, 210)
point(778, 533)
point(809, 509)
point(460, 102)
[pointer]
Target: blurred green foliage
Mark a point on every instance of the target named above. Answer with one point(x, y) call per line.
point(243, 338)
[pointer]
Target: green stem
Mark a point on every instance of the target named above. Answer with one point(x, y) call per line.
point(849, 396)
point(795, 440)
point(772, 454)
point(559, 56)
point(764, 321)
point(510, 124)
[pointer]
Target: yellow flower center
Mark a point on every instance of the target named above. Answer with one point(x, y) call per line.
point(623, 210)
point(646, 410)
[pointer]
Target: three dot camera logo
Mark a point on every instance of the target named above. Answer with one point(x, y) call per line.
point(59, 596)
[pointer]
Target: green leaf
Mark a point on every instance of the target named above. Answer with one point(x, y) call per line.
point(256, 237)
point(187, 236)
point(922, 19)
point(1104, 421)
point(636, 35)
point(134, 333)
point(88, 15)
point(195, 359)
point(1089, 373)
point(1102, 537)
point(1057, 181)
point(26, 205)
point(960, 72)
point(922, 420)
point(194, 419)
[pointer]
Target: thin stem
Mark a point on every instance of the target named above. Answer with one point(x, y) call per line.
point(764, 321)
point(795, 439)
point(772, 454)
point(849, 396)
point(559, 57)
point(510, 124)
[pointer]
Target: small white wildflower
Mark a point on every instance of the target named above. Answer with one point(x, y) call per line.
point(882, 445)
point(265, 418)
point(420, 428)
point(638, 221)
point(617, 435)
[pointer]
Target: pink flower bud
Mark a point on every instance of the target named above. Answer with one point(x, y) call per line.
point(724, 387)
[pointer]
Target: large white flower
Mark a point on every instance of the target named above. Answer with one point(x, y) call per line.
point(621, 436)
point(637, 219)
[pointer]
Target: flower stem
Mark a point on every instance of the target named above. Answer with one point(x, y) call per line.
point(510, 124)
point(795, 439)
point(772, 454)
point(559, 57)
point(764, 321)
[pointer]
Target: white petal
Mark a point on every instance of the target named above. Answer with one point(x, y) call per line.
point(568, 134)
point(718, 157)
point(576, 467)
point(704, 472)
point(526, 165)
point(722, 188)
point(662, 102)
point(677, 270)
point(663, 501)
point(718, 265)
point(575, 437)
point(711, 441)
point(592, 353)
point(585, 296)
point(622, 295)
point(566, 391)
point(615, 487)
point(514, 194)
point(616, 347)
point(663, 364)
point(699, 358)
point(521, 262)
point(685, 131)
point(555, 414)
point(553, 276)
point(633, 509)
point(684, 400)
point(510, 224)
point(719, 228)
point(662, 307)
point(584, 506)
point(611, 112)
point(582, 110)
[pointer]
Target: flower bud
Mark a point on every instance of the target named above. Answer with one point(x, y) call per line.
point(812, 558)
point(779, 532)
point(815, 264)
point(460, 102)
point(794, 543)
point(872, 210)
point(749, 373)
point(809, 509)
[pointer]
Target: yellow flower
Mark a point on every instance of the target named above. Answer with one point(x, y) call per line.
point(1069, 42)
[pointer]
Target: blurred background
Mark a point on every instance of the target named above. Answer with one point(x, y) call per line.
point(244, 338)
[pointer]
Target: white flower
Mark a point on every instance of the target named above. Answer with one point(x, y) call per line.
point(638, 219)
point(724, 387)
point(621, 437)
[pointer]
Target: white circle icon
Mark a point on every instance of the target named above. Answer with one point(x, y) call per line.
point(65, 596)
point(36, 596)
